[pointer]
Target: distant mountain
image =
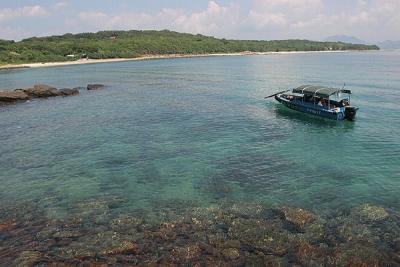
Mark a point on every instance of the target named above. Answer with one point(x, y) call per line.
point(389, 44)
point(345, 39)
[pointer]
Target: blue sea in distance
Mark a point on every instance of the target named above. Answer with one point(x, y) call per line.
point(198, 130)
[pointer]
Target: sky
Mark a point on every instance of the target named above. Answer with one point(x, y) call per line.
point(369, 20)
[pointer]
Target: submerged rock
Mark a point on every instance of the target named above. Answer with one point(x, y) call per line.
point(28, 258)
point(186, 253)
point(13, 96)
point(121, 248)
point(360, 254)
point(260, 235)
point(247, 210)
point(7, 225)
point(68, 91)
point(370, 213)
point(352, 231)
point(67, 234)
point(311, 254)
point(298, 217)
point(231, 253)
point(129, 226)
point(95, 86)
point(219, 235)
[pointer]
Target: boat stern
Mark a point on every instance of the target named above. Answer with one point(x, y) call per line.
point(350, 113)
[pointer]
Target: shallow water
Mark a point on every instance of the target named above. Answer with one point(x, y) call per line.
point(198, 131)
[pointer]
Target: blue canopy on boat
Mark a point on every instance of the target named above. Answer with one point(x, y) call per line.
point(321, 91)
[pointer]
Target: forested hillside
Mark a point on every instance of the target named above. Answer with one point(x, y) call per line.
point(129, 44)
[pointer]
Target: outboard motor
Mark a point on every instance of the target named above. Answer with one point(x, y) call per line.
point(350, 113)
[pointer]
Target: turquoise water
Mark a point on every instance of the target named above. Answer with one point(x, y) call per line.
point(199, 131)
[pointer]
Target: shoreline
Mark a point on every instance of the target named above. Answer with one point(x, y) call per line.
point(153, 57)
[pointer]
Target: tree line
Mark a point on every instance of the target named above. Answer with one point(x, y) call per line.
point(130, 44)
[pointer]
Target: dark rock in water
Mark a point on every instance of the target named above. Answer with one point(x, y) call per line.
point(94, 86)
point(68, 92)
point(42, 90)
point(14, 96)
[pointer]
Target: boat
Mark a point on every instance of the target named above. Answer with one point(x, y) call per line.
point(318, 100)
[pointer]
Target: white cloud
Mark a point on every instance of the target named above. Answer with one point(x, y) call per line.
point(60, 6)
point(293, 6)
point(216, 19)
point(7, 14)
point(261, 19)
point(372, 20)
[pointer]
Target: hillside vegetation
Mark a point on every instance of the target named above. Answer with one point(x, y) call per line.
point(130, 44)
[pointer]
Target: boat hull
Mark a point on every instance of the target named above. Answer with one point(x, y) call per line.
point(312, 109)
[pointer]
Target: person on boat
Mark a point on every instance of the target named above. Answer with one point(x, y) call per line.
point(320, 103)
point(345, 102)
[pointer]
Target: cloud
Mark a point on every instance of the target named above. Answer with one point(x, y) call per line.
point(265, 19)
point(216, 19)
point(60, 6)
point(7, 14)
point(371, 20)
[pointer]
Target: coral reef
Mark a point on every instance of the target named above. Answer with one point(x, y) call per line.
point(229, 234)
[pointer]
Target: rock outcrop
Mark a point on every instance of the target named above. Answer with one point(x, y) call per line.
point(68, 91)
point(298, 218)
point(42, 90)
point(370, 213)
point(13, 96)
point(94, 86)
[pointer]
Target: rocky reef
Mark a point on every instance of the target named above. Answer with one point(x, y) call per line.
point(13, 96)
point(94, 86)
point(40, 91)
point(230, 234)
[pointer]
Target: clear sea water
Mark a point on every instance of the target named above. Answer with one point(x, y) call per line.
point(198, 130)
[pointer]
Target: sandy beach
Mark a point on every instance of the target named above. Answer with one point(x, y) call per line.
point(149, 57)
